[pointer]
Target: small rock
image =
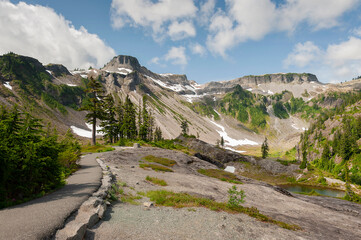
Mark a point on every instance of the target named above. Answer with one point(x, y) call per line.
point(132, 167)
point(148, 204)
point(137, 183)
point(108, 203)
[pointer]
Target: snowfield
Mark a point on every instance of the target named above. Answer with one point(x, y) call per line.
point(81, 132)
point(175, 87)
point(231, 141)
point(85, 133)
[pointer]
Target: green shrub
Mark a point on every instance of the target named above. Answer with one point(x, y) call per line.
point(235, 197)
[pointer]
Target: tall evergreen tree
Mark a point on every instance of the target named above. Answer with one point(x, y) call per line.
point(109, 123)
point(151, 125)
point(94, 106)
point(264, 148)
point(158, 134)
point(129, 126)
point(184, 127)
point(144, 120)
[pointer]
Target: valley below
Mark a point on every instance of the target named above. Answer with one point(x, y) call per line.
point(317, 217)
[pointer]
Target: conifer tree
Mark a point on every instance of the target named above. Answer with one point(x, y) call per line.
point(264, 148)
point(109, 123)
point(120, 120)
point(144, 119)
point(150, 126)
point(158, 134)
point(184, 127)
point(129, 126)
point(222, 141)
point(94, 106)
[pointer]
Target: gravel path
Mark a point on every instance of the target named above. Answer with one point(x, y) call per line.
point(39, 218)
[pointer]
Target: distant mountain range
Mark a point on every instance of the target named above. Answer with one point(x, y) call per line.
point(243, 110)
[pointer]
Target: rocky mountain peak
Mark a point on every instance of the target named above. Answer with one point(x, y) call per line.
point(122, 63)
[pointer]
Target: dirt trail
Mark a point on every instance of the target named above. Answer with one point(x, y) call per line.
point(125, 221)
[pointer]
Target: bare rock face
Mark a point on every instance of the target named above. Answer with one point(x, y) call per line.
point(211, 154)
point(57, 70)
point(122, 64)
point(251, 80)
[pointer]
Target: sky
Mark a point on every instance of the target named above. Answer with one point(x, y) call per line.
point(208, 40)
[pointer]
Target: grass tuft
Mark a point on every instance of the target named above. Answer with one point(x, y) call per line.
point(220, 174)
point(163, 161)
point(96, 148)
point(155, 167)
point(181, 200)
point(157, 181)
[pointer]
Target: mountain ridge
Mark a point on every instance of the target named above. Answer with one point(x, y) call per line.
point(173, 98)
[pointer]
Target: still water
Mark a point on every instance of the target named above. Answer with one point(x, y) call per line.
point(295, 188)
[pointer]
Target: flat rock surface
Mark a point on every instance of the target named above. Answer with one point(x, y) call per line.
point(39, 218)
point(320, 218)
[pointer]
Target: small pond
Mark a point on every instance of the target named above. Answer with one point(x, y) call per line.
point(296, 188)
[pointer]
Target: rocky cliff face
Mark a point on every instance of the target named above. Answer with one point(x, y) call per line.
point(57, 70)
point(122, 64)
point(295, 78)
point(255, 81)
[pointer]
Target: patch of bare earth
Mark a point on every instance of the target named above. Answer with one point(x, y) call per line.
point(126, 221)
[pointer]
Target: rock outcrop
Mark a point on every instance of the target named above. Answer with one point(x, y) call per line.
point(57, 70)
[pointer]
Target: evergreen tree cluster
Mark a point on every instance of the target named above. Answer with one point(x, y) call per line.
point(32, 160)
point(121, 121)
point(343, 145)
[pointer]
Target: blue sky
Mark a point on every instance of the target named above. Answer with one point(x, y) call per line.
point(208, 40)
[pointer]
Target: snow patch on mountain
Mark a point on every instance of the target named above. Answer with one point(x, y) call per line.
point(175, 87)
point(7, 85)
point(231, 141)
point(81, 132)
point(234, 150)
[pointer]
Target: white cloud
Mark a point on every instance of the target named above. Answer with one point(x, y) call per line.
point(303, 54)
point(196, 48)
point(339, 62)
point(318, 14)
point(341, 54)
point(39, 32)
point(155, 60)
point(177, 56)
point(206, 11)
point(147, 13)
point(357, 31)
point(245, 20)
point(179, 31)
